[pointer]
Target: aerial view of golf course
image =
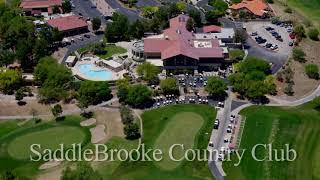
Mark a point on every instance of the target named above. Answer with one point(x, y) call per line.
point(297, 126)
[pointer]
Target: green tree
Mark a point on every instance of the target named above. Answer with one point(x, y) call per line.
point(298, 55)
point(96, 23)
point(138, 95)
point(236, 54)
point(216, 87)
point(126, 115)
point(56, 10)
point(19, 94)
point(149, 11)
point(132, 131)
point(181, 6)
point(169, 86)
point(251, 80)
point(56, 110)
point(148, 71)
point(240, 36)
point(252, 64)
point(196, 16)
point(313, 34)
point(312, 70)
point(83, 171)
point(118, 29)
point(55, 80)
point(93, 92)
point(219, 5)
point(66, 6)
point(299, 31)
point(190, 24)
point(136, 30)
point(213, 15)
point(10, 80)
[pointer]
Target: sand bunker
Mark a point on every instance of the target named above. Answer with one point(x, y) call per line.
point(88, 122)
point(97, 134)
point(49, 164)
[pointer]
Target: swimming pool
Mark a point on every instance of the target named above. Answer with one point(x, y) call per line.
point(91, 73)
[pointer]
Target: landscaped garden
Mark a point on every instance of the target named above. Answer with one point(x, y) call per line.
point(297, 126)
point(190, 125)
point(16, 137)
point(103, 51)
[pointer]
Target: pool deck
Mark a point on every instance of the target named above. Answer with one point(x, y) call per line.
point(91, 60)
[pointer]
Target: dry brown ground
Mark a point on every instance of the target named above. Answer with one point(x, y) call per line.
point(9, 107)
point(303, 85)
point(112, 122)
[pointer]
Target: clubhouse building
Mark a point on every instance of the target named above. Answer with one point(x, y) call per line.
point(177, 48)
point(39, 7)
point(69, 25)
point(255, 8)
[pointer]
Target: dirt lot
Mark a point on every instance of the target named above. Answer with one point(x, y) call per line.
point(9, 107)
point(112, 122)
point(303, 85)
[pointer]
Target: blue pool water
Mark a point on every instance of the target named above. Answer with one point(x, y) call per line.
point(88, 71)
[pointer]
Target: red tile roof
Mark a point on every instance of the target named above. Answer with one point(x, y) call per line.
point(179, 41)
point(29, 4)
point(211, 28)
point(257, 7)
point(68, 23)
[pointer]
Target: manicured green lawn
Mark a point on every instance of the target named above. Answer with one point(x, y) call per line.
point(15, 141)
point(51, 138)
point(110, 49)
point(187, 124)
point(308, 8)
point(297, 126)
point(190, 125)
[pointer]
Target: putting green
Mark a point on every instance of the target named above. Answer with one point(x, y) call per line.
point(181, 129)
point(19, 148)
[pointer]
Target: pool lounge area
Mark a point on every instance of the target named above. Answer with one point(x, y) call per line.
point(88, 69)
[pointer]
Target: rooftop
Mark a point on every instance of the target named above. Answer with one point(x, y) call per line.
point(177, 40)
point(68, 22)
point(257, 7)
point(29, 4)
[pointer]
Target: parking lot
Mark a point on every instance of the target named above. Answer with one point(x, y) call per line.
point(271, 36)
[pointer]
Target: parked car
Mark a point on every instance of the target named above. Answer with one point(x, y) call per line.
point(269, 28)
point(290, 43)
point(216, 124)
point(292, 35)
point(211, 144)
point(268, 45)
point(254, 33)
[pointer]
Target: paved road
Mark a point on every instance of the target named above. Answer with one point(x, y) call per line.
point(84, 7)
point(79, 44)
point(142, 3)
point(216, 167)
point(277, 59)
point(132, 15)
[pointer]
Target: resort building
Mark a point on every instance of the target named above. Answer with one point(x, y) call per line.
point(39, 7)
point(69, 25)
point(226, 35)
point(177, 48)
point(256, 8)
